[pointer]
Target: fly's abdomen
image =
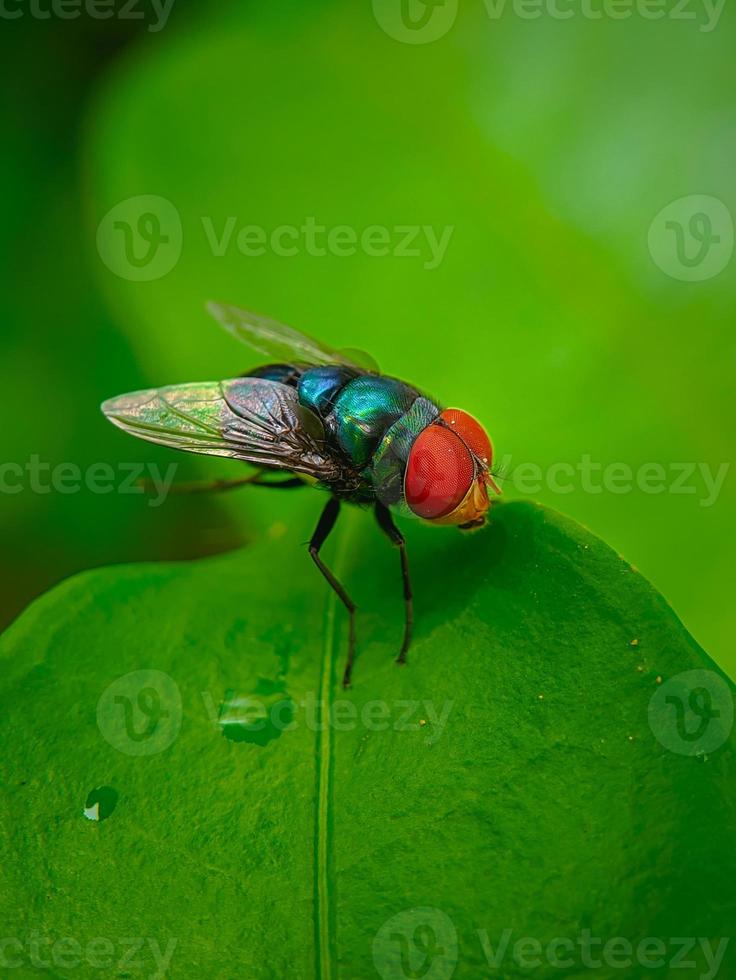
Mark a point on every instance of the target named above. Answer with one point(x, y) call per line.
point(284, 374)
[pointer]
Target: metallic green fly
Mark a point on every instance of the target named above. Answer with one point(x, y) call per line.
point(329, 419)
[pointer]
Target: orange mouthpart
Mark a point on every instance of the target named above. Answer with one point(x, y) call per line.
point(474, 505)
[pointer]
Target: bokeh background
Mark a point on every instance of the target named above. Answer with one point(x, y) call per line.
point(570, 311)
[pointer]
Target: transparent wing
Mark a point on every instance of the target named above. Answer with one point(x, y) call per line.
point(251, 419)
point(282, 343)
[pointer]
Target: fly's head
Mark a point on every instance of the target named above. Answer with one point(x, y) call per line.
point(448, 471)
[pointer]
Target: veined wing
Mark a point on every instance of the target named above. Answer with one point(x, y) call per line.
point(251, 419)
point(282, 343)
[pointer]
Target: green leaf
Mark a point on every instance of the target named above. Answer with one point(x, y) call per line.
point(545, 764)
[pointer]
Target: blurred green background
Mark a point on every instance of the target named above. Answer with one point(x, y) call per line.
point(564, 312)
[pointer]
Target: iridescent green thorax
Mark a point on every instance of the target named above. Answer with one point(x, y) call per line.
point(364, 409)
point(356, 410)
point(387, 467)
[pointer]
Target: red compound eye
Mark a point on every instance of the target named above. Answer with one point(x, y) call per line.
point(439, 473)
point(471, 432)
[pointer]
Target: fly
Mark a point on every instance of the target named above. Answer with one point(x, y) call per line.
point(326, 418)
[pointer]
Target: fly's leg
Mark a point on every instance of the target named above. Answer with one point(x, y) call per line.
point(219, 486)
point(290, 484)
point(386, 523)
point(324, 526)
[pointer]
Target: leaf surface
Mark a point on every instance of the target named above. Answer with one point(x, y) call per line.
point(525, 772)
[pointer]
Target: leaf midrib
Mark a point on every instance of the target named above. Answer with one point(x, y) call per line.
point(324, 886)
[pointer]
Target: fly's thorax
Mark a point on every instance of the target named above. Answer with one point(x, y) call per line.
point(358, 413)
point(387, 469)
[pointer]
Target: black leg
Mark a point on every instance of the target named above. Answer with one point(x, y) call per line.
point(218, 486)
point(386, 523)
point(324, 526)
